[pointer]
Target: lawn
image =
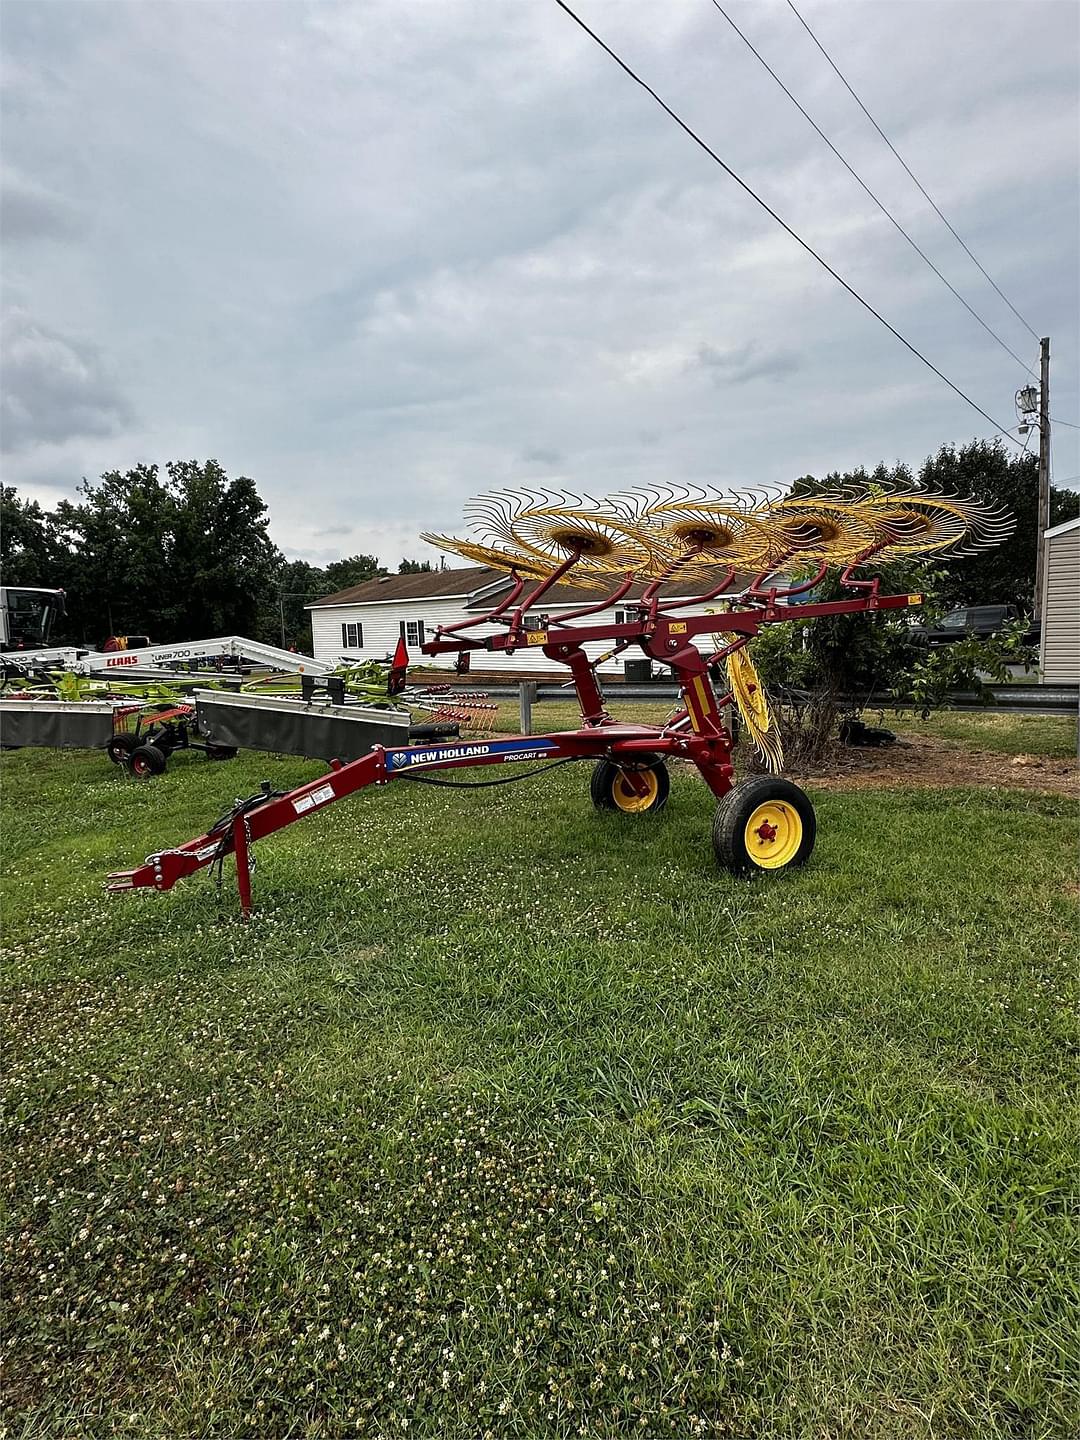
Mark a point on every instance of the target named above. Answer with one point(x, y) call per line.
point(1053, 736)
point(506, 1117)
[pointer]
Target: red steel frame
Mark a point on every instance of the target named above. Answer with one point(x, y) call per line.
point(696, 732)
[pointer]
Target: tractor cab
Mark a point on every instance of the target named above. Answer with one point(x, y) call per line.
point(27, 615)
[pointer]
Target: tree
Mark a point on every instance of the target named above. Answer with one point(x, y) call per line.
point(344, 574)
point(31, 552)
point(120, 549)
point(297, 584)
point(843, 662)
point(177, 556)
point(223, 554)
point(414, 567)
point(988, 471)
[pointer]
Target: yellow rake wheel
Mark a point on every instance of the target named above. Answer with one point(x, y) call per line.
point(764, 823)
point(645, 531)
point(717, 530)
point(817, 528)
point(551, 528)
point(532, 567)
point(913, 524)
point(745, 684)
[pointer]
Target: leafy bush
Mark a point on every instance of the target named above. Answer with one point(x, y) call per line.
point(843, 664)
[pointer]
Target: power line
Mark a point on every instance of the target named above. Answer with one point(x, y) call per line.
point(1069, 425)
point(909, 170)
point(879, 203)
point(1000, 429)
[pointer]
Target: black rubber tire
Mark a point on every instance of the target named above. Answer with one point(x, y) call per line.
point(733, 814)
point(435, 730)
point(147, 760)
point(605, 780)
point(221, 752)
point(119, 748)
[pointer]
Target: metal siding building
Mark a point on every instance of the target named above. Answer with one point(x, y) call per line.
point(1059, 650)
point(378, 609)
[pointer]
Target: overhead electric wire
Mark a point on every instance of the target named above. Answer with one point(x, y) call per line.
point(879, 203)
point(922, 189)
point(1000, 429)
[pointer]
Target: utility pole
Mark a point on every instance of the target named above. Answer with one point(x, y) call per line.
point(1042, 522)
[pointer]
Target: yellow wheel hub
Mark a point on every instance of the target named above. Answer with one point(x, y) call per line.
point(773, 835)
point(627, 798)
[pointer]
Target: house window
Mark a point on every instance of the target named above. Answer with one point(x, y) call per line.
point(352, 636)
point(626, 617)
point(413, 632)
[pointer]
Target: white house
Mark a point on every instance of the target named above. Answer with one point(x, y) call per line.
point(1059, 650)
point(368, 619)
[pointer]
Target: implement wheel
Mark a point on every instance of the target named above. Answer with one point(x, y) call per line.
point(611, 787)
point(119, 748)
point(763, 824)
point(147, 760)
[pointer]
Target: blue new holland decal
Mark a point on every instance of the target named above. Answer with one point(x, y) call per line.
point(481, 750)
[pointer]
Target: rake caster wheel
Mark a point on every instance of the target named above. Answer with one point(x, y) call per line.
point(763, 824)
point(147, 760)
point(611, 790)
point(221, 752)
point(119, 748)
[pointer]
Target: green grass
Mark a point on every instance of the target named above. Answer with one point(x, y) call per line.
point(507, 1117)
point(1053, 736)
point(554, 715)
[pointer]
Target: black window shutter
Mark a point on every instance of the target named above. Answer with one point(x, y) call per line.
point(402, 627)
point(359, 635)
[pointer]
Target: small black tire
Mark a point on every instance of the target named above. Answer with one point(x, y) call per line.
point(610, 789)
point(435, 730)
point(119, 748)
point(221, 752)
point(147, 760)
point(763, 825)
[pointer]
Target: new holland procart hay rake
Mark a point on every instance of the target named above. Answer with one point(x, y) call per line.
point(682, 549)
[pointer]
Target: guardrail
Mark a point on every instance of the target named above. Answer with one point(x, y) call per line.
point(1005, 699)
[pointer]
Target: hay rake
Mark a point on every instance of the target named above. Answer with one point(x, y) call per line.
point(652, 541)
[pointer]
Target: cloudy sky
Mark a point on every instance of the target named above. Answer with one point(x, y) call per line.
point(386, 254)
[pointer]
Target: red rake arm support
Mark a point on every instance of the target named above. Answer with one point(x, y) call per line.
point(608, 603)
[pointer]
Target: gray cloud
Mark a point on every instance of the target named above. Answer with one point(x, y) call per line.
point(55, 388)
point(542, 455)
point(407, 267)
point(30, 212)
point(745, 363)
